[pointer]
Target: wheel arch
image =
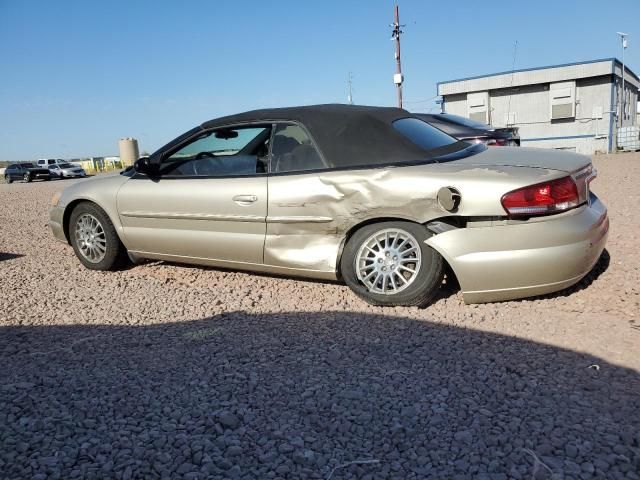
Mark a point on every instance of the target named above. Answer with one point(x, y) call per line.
point(352, 230)
point(70, 207)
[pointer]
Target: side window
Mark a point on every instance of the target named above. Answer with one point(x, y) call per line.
point(422, 134)
point(222, 152)
point(51, 162)
point(293, 151)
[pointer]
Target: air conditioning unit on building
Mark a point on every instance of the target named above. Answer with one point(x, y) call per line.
point(478, 106)
point(562, 100)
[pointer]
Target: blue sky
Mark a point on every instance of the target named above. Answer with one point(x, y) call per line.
point(78, 75)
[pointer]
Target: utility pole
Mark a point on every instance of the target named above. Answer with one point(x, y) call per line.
point(623, 37)
point(395, 35)
point(350, 97)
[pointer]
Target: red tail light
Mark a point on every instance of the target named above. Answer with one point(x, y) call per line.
point(542, 199)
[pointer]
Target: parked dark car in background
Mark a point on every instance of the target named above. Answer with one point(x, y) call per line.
point(25, 172)
point(472, 131)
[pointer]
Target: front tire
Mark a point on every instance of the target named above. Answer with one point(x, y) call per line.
point(7, 179)
point(388, 264)
point(94, 238)
point(26, 178)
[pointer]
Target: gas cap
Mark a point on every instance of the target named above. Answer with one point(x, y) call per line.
point(449, 198)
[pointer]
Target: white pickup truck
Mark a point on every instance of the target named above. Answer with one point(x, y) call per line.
point(46, 162)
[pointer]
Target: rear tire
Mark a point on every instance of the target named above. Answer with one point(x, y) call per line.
point(388, 264)
point(94, 238)
point(7, 179)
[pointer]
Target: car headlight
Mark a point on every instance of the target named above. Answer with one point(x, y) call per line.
point(56, 198)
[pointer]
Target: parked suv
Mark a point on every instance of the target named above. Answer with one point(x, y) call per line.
point(25, 172)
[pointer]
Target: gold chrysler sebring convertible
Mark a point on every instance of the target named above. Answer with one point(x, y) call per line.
point(371, 196)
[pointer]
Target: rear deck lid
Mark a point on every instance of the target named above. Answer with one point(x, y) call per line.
point(528, 157)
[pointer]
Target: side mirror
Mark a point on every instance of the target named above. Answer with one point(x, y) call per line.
point(144, 165)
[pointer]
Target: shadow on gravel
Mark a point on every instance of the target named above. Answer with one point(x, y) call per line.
point(4, 256)
point(298, 395)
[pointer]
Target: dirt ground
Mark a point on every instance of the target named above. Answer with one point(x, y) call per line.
point(169, 371)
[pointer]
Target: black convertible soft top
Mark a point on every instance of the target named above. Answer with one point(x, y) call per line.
point(349, 135)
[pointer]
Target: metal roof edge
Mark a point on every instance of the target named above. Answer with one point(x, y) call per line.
point(601, 60)
point(626, 68)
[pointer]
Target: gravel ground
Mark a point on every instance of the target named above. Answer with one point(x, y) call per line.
point(167, 371)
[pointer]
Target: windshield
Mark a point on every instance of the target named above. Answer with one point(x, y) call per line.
point(65, 165)
point(27, 165)
point(467, 122)
point(218, 143)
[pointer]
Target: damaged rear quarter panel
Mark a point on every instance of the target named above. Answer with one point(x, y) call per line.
point(309, 215)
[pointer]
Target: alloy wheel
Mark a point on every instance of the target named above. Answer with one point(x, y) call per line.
point(388, 261)
point(90, 238)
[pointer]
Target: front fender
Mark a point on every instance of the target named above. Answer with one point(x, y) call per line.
point(102, 190)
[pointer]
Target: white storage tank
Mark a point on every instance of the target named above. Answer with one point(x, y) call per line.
point(128, 151)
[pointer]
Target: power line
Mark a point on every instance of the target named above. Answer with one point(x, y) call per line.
point(422, 101)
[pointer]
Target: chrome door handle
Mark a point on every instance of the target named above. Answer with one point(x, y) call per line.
point(245, 198)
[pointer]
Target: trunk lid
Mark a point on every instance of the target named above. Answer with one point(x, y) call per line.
point(568, 162)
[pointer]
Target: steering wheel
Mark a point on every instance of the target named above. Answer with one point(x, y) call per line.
point(200, 156)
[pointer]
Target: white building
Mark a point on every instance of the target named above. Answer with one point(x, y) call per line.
point(574, 106)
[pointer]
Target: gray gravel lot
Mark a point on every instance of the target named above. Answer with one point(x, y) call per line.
point(167, 371)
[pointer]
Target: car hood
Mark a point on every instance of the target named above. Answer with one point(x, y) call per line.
point(528, 157)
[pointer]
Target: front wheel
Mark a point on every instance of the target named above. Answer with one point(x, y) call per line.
point(26, 177)
point(7, 179)
point(94, 238)
point(389, 264)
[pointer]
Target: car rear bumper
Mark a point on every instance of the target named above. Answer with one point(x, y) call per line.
point(56, 215)
point(508, 261)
